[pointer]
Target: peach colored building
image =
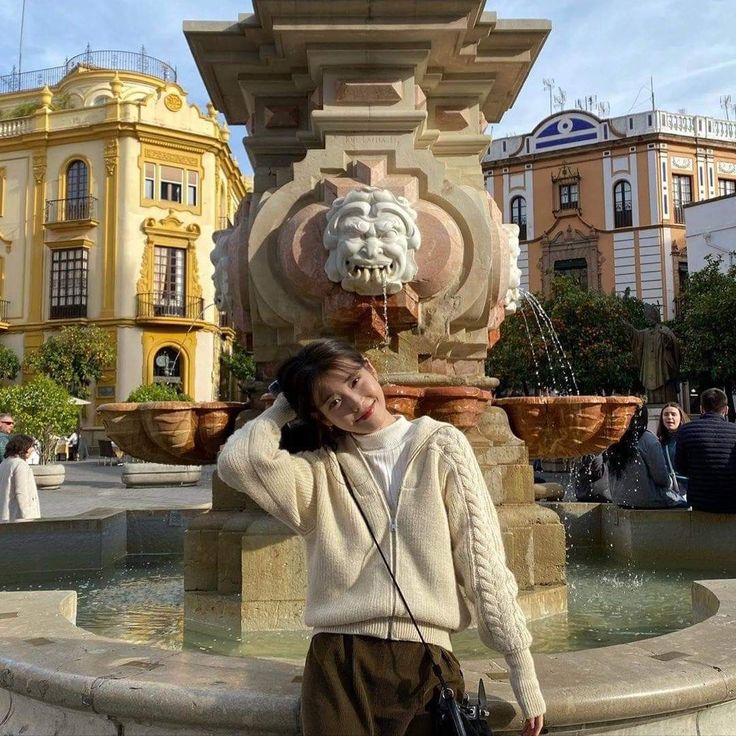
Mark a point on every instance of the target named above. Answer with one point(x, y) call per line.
point(602, 200)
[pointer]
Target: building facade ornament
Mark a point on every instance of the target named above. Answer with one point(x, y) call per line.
point(371, 237)
point(111, 156)
point(39, 167)
point(173, 102)
point(681, 162)
point(726, 167)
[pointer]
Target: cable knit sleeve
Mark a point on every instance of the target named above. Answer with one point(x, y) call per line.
point(280, 483)
point(480, 564)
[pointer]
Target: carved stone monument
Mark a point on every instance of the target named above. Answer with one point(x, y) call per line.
point(368, 220)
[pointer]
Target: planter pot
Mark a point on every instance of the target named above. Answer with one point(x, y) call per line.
point(568, 426)
point(142, 475)
point(461, 406)
point(48, 477)
point(402, 399)
point(170, 432)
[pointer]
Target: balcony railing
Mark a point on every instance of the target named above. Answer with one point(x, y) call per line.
point(72, 209)
point(679, 213)
point(622, 218)
point(4, 304)
point(128, 61)
point(68, 311)
point(168, 304)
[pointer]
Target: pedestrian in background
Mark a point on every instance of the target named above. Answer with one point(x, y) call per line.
point(18, 493)
point(6, 429)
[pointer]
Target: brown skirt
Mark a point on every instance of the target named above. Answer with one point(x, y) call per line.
point(363, 686)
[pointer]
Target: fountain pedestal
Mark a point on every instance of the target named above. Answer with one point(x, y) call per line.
point(369, 219)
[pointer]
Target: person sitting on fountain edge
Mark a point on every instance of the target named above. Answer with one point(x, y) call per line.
point(706, 453)
point(422, 492)
point(638, 476)
point(671, 419)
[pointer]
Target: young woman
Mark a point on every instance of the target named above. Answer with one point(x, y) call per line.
point(637, 472)
point(424, 496)
point(670, 420)
point(18, 493)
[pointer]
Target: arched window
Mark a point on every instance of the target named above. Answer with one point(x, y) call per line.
point(518, 215)
point(167, 366)
point(622, 204)
point(77, 191)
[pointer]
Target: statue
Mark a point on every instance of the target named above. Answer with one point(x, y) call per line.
point(513, 295)
point(371, 237)
point(658, 354)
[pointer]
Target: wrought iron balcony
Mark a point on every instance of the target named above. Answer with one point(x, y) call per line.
point(68, 311)
point(128, 61)
point(162, 304)
point(4, 304)
point(73, 209)
point(622, 217)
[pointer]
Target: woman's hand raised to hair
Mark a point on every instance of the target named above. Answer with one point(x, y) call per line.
point(533, 726)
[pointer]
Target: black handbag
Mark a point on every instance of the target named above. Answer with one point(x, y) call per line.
point(451, 718)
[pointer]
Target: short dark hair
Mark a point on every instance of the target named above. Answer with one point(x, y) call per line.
point(299, 376)
point(712, 400)
point(19, 444)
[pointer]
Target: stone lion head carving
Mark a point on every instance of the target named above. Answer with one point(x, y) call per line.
point(371, 237)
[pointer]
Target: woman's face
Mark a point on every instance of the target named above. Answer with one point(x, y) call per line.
point(351, 399)
point(671, 418)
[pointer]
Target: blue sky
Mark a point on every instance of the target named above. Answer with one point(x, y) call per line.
point(595, 48)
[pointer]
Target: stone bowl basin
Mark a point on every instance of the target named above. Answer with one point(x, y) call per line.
point(171, 432)
point(568, 426)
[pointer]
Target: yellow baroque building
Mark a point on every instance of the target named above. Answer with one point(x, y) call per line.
point(111, 186)
point(602, 200)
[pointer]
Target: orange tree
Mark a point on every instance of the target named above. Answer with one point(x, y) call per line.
point(595, 335)
point(706, 328)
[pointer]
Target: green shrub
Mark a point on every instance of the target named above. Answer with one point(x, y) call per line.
point(9, 363)
point(41, 409)
point(157, 392)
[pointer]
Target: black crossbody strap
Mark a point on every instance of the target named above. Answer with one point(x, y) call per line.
point(435, 667)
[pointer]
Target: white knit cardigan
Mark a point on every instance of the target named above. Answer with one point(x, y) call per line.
point(443, 540)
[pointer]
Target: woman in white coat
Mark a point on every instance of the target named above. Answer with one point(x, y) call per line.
point(18, 493)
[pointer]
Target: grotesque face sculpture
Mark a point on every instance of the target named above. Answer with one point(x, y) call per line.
point(371, 237)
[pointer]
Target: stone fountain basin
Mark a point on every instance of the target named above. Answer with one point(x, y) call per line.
point(63, 680)
point(568, 426)
point(191, 433)
point(171, 432)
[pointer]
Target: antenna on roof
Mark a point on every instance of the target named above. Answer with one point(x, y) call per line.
point(549, 85)
point(20, 42)
point(726, 104)
point(560, 98)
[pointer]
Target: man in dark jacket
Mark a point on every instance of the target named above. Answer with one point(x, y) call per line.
point(706, 453)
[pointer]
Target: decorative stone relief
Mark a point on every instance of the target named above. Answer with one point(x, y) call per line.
point(726, 167)
point(39, 168)
point(111, 156)
point(281, 116)
point(173, 102)
point(513, 295)
point(368, 92)
point(681, 162)
point(371, 237)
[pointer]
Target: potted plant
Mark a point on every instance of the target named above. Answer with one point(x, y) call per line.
point(41, 409)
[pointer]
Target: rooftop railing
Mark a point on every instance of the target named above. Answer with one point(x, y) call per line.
point(128, 61)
